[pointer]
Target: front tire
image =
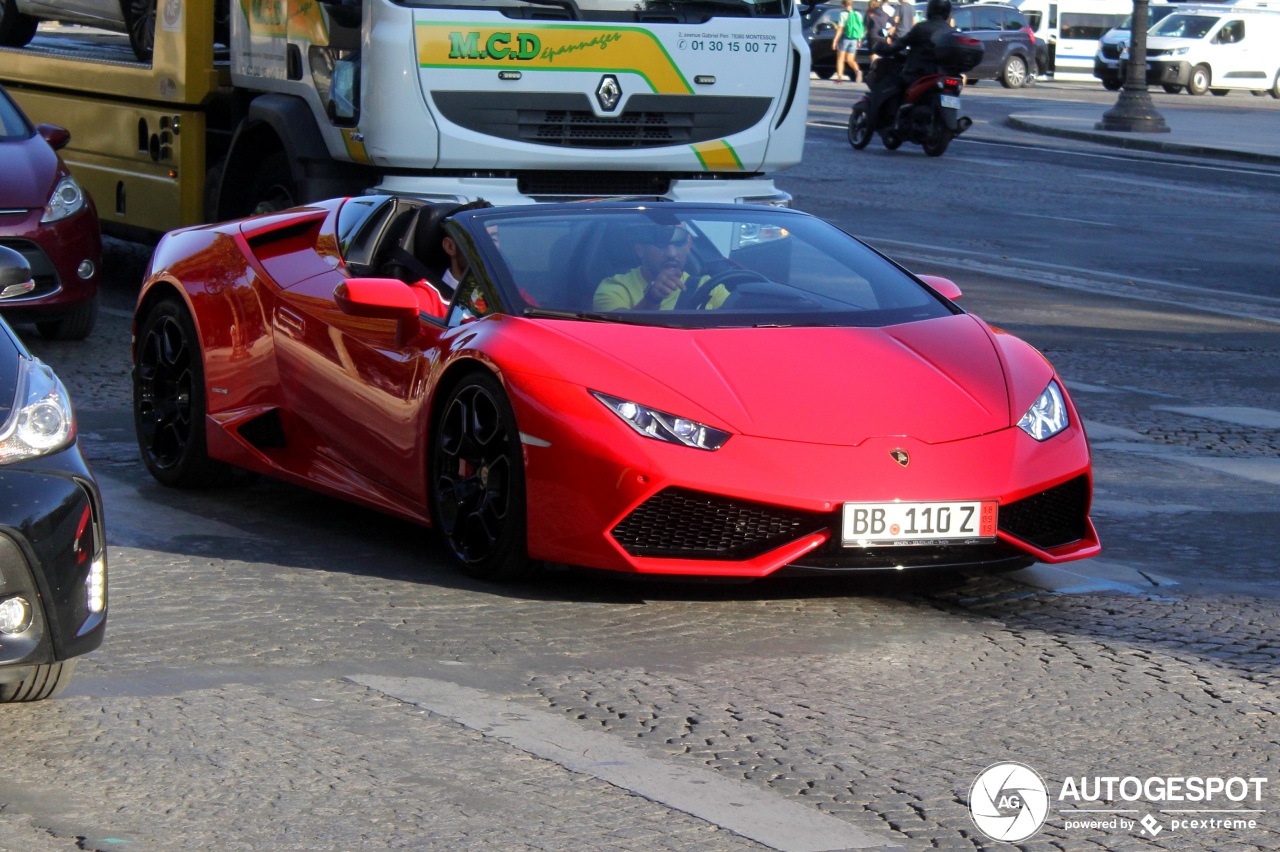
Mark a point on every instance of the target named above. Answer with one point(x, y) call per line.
point(860, 130)
point(1200, 80)
point(75, 324)
point(1014, 73)
point(43, 682)
point(272, 188)
point(169, 402)
point(1112, 85)
point(477, 481)
point(16, 29)
point(1274, 91)
point(1171, 88)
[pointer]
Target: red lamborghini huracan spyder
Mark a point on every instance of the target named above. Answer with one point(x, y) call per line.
point(645, 387)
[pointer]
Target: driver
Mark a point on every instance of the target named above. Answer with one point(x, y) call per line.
point(660, 279)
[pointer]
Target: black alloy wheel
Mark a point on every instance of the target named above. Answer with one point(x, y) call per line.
point(477, 481)
point(169, 403)
point(140, 24)
point(16, 29)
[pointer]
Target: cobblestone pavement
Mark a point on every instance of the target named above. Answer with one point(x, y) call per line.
point(220, 714)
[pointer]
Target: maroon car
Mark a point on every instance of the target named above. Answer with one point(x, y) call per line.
point(46, 217)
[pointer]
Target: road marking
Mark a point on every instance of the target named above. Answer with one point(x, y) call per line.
point(736, 806)
point(1257, 418)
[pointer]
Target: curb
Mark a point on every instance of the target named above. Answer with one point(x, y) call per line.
point(1140, 142)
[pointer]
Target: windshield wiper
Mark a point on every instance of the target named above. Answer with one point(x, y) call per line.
point(544, 313)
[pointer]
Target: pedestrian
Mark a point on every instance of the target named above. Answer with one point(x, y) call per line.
point(880, 16)
point(905, 20)
point(850, 28)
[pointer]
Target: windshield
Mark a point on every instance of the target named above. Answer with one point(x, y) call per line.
point(656, 11)
point(12, 124)
point(1185, 26)
point(693, 267)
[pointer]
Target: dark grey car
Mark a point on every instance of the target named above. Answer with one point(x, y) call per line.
point(1009, 47)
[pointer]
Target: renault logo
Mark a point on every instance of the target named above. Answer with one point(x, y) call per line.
point(608, 93)
point(901, 457)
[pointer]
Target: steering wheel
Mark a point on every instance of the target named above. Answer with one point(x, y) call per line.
point(730, 278)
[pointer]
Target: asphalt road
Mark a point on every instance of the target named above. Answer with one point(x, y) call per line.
point(284, 671)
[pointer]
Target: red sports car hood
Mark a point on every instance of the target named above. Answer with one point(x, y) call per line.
point(938, 380)
point(29, 168)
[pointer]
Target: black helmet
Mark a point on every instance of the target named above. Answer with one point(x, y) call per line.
point(938, 10)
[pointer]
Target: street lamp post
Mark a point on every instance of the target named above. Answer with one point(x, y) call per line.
point(1134, 112)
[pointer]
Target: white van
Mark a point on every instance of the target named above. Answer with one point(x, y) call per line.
point(1215, 48)
point(1071, 28)
point(1106, 62)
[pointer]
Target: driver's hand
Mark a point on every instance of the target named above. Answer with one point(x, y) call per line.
point(663, 285)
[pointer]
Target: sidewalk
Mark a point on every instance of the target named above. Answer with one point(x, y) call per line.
point(1243, 135)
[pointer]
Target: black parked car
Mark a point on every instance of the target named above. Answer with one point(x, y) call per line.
point(53, 555)
point(819, 22)
point(1010, 49)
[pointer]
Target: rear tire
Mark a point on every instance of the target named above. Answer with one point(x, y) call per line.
point(1199, 81)
point(43, 682)
point(937, 146)
point(75, 324)
point(1220, 93)
point(16, 29)
point(1274, 91)
point(1014, 73)
point(169, 405)
point(860, 130)
point(140, 22)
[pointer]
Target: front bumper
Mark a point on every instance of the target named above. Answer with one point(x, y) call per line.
point(51, 534)
point(55, 251)
point(599, 495)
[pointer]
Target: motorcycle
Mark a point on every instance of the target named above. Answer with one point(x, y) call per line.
point(927, 113)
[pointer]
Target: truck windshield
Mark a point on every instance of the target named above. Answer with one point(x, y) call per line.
point(658, 11)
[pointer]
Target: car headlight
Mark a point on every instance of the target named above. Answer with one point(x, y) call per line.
point(67, 198)
point(1048, 416)
point(41, 421)
point(653, 423)
point(1177, 51)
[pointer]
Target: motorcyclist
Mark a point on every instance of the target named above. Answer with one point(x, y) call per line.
point(919, 44)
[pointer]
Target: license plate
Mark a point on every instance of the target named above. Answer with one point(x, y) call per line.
point(905, 524)
point(951, 101)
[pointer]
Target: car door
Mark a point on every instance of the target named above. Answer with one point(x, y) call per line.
point(1233, 59)
point(357, 384)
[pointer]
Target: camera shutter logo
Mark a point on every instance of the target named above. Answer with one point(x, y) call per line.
point(1008, 802)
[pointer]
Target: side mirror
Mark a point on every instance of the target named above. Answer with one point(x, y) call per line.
point(15, 274)
point(380, 298)
point(944, 286)
point(56, 136)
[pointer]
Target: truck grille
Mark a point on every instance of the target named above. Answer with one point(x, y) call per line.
point(566, 120)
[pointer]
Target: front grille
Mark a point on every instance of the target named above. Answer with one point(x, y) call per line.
point(677, 523)
point(42, 268)
point(1111, 51)
point(566, 120)
point(832, 556)
point(1051, 518)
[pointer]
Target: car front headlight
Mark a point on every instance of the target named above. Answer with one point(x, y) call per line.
point(1178, 51)
point(67, 198)
point(40, 421)
point(1048, 416)
point(662, 426)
